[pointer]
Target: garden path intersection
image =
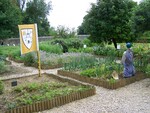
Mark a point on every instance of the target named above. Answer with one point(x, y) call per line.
point(133, 98)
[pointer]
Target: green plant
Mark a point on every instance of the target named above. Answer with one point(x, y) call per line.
point(34, 92)
point(112, 81)
point(1, 87)
point(11, 105)
point(89, 72)
point(51, 48)
point(81, 63)
point(3, 67)
point(87, 42)
point(16, 55)
point(29, 59)
point(147, 69)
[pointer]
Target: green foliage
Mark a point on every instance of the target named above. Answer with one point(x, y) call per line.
point(112, 81)
point(87, 42)
point(50, 48)
point(10, 17)
point(106, 51)
point(1, 87)
point(63, 32)
point(74, 43)
point(81, 63)
point(36, 12)
point(11, 105)
point(16, 55)
point(7, 50)
point(109, 19)
point(29, 59)
point(142, 17)
point(34, 92)
point(142, 62)
point(85, 50)
point(89, 72)
point(3, 67)
point(147, 70)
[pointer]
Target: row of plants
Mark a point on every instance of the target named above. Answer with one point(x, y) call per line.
point(142, 63)
point(102, 68)
point(3, 64)
point(34, 92)
point(93, 67)
point(107, 50)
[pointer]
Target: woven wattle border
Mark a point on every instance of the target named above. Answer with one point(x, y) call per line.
point(98, 82)
point(58, 101)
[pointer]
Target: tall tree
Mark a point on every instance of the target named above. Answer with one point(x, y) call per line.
point(142, 17)
point(10, 17)
point(36, 12)
point(109, 20)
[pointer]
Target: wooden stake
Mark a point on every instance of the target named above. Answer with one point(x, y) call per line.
point(39, 63)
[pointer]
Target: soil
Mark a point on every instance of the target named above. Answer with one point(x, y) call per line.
point(8, 95)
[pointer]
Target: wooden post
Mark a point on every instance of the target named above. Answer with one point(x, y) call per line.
point(39, 63)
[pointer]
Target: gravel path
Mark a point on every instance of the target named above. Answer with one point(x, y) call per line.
point(133, 98)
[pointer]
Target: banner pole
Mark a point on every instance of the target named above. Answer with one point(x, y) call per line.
point(39, 63)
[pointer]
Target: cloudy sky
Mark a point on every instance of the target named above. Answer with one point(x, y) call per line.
point(69, 13)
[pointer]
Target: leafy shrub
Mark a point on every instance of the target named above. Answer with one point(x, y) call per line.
point(1, 87)
point(99, 50)
point(87, 42)
point(2, 58)
point(7, 50)
point(29, 59)
point(16, 55)
point(81, 63)
point(3, 67)
point(89, 73)
point(51, 48)
point(147, 69)
point(112, 81)
point(74, 43)
point(48, 90)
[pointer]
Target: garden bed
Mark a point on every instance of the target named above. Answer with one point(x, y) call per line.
point(121, 82)
point(14, 100)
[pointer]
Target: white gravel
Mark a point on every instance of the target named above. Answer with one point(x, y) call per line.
point(134, 98)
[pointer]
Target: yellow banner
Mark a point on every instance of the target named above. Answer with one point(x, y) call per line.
point(28, 38)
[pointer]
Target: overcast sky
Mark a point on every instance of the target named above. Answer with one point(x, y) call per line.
point(69, 13)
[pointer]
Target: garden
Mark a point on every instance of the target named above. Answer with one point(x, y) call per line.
point(97, 64)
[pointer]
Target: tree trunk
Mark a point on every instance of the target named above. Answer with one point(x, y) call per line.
point(114, 42)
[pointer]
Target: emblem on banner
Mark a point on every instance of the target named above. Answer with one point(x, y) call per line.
point(27, 37)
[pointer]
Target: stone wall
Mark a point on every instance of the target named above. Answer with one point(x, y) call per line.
point(16, 41)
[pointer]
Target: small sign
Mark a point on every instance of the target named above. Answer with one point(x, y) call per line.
point(14, 83)
point(84, 46)
point(118, 46)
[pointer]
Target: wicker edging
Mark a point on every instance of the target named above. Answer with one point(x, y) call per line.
point(57, 101)
point(119, 83)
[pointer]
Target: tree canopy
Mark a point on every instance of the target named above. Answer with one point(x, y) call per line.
point(142, 17)
point(36, 12)
point(10, 17)
point(109, 20)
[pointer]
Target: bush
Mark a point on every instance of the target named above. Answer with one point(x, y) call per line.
point(74, 43)
point(50, 48)
point(1, 87)
point(89, 73)
point(81, 63)
point(87, 42)
point(29, 59)
point(16, 55)
point(3, 67)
